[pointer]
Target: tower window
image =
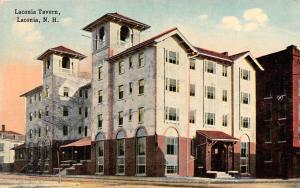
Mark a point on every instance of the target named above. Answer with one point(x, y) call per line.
point(102, 34)
point(124, 34)
point(66, 62)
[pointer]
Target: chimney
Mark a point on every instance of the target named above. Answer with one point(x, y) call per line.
point(3, 127)
point(225, 53)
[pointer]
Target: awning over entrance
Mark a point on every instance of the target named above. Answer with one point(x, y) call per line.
point(79, 143)
point(217, 136)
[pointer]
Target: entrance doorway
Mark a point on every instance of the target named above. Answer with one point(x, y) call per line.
point(218, 157)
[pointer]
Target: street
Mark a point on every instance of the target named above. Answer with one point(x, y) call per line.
point(24, 181)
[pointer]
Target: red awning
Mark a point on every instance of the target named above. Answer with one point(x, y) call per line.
point(217, 136)
point(79, 143)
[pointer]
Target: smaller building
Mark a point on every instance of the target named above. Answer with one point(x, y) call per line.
point(8, 141)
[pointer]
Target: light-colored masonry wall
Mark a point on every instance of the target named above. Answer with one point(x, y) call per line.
point(55, 80)
point(100, 55)
point(182, 100)
point(240, 109)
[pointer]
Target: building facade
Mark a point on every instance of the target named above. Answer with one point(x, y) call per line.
point(165, 107)
point(8, 141)
point(278, 131)
point(158, 107)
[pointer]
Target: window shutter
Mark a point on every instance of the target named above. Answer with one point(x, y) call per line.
point(249, 98)
point(249, 74)
point(177, 58)
point(166, 55)
point(249, 123)
point(177, 87)
point(214, 68)
point(177, 114)
point(205, 91)
point(166, 83)
point(166, 112)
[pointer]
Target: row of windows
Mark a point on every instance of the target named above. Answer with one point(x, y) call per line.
point(281, 133)
point(210, 67)
point(281, 111)
point(210, 120)
point(38, 132)
point(81, 130)
point(121, 65)
point(121, 117)
point(35, 97)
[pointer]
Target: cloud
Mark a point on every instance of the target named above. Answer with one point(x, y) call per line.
point(203, 17)
point(256, 15)
point(27, 31)
point(67, 21)
point(253, 19)
point(231, 22)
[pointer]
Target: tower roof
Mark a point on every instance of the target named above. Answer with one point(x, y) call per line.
point(61, 50)
point(116, 17)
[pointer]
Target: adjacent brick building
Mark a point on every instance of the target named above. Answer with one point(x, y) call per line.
point(278, 123)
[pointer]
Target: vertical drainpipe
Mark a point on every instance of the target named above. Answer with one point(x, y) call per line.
point(188, 118)
point(232, 111)
point(155, 93)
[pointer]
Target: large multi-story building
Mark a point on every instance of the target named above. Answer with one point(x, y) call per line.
point(160, 106)
point(163, 106)
point(8, 141)
point(57, 112)
point(278, 100)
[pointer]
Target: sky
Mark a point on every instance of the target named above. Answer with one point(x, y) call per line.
point(232, 25)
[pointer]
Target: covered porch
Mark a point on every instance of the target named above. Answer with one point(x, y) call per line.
point(214, 152)
point(76, 151)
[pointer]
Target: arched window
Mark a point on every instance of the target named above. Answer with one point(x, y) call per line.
point(121, 153)
point(124, 34)
point(102, 34)
point(171, 151)
point(141, 151)
point(100, 153)
point(66, 62)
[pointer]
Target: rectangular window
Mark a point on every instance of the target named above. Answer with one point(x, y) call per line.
point(268, 133)
point(47, 111)
point(130, 61)
point(79, 130)
point(210, 92)
point(282, 132)
point(1, 146)
point(172, 114)
point(173, 57)
point(40, 96)
point(86, 94)
point(172, 145)
point(224, 70)
point(86, 112)
point(245, 98)
point(268, 156)
point(100, 121)
point(141, 86)
point(40, 114)
point(129, 114)
point(1, 159)
point(192, 64)
point(224, 120)
point(121, 114)
point(172, 85)
point(282, 109)
point(80, 93)
point(244, 159)
point(141, 115)
point(47, 92)
point(192, 89)
point(245, 122)
point(121, 92)
point(66, 92)
point(100, 75)
point(65, 111)
point(268, 112)
point(30, 116)
point(210, 67)
point(245, 74)
point(224, 96)
point(192, 116)
point(65, 130)
point(141, 59)
point(79, 110)
point(121, 67)
point(210, 118)
point(100, 97)
point(268, 89)
point(39, 132)
point(130, 87)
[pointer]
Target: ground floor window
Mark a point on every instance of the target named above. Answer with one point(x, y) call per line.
point(244, 163)
point(141, 152)
point(172, 155)
point(100, 157)
point(120, 153)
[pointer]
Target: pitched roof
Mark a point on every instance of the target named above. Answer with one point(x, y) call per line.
point(142, 44)
point(19, 147)
point(62, 50)
point(87, 141)
point(217, 135)
point(10, 132)
point(118, 18)
point(213, 54)
point(238, 55)
point(34, 90)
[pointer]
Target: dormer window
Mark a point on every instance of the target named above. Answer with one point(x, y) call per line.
point(102, 34)
point(66, 62)
point(124, 34)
